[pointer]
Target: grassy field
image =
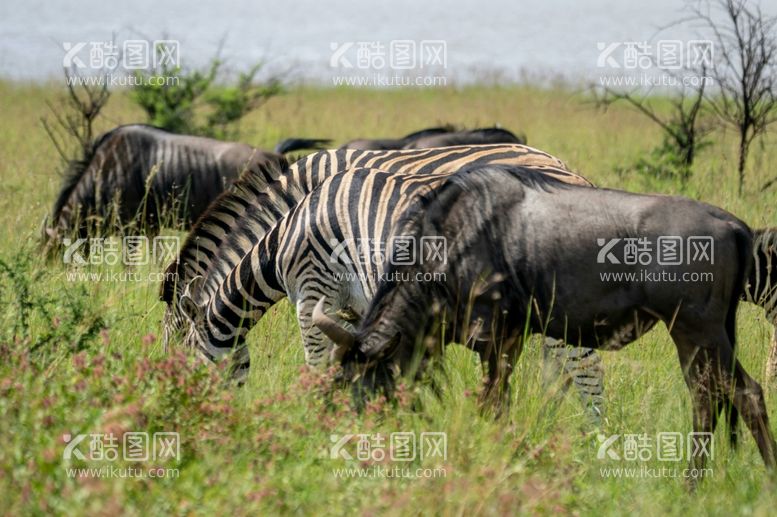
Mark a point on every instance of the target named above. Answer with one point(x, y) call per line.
point(85, 357)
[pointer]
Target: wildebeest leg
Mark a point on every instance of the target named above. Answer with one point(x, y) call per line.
point(711, 373)
point(749, 400)
point(698, 361)
point(726, 404)
point(501, 359)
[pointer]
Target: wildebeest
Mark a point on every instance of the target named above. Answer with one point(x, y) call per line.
point(525, 255)
point(488, 135)
point(386, 144)
point(144, 175)
point(439, 137)
point(293, 144)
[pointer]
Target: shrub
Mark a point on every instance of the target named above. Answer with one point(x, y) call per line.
point(197, 102)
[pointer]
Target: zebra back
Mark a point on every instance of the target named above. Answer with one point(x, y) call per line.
point(223, 235)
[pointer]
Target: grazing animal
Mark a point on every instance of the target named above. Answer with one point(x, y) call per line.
point(331, 244)
point(386, 144)
point(239, 218)
point(489, 135)
point(141, 174)
point(524, 257)
point(295, 144)
point(761, 289)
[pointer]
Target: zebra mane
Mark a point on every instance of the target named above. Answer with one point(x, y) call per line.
point(241, 195)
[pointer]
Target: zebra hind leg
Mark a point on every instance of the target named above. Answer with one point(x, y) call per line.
point(770, 377)
point(581, 367)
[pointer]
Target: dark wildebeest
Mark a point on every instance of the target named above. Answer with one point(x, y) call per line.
point(488, 135)
point(529, 254)
point(295, 144)
point(144, 175)
point(388, 144)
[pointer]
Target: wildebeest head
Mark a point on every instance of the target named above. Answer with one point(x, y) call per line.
point(383, 347)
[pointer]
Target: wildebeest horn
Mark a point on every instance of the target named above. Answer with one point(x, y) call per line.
point(341, 337)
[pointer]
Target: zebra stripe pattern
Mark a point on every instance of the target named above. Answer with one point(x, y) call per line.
point(319, 250)
point(761, 289)
point(241, 216)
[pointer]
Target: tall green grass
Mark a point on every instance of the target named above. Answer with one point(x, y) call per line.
point(85, 357)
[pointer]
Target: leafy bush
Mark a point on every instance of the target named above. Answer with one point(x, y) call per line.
point(197, 103)
point(667, 161)
point(36, 317)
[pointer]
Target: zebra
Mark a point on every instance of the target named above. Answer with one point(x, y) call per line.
point(240, 217)
point(761, 289)
point(139, 174)
point(325, 246)
point(228, 230)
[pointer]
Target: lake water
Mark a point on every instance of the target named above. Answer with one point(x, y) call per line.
point(507, 39)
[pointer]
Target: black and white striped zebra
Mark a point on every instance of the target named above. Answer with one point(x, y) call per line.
point(761, 289)
point(241, 216)
point(142, 174)
point(327, 246)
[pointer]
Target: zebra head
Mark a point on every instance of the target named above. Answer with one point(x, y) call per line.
point(196, 335)
point(204, 340)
